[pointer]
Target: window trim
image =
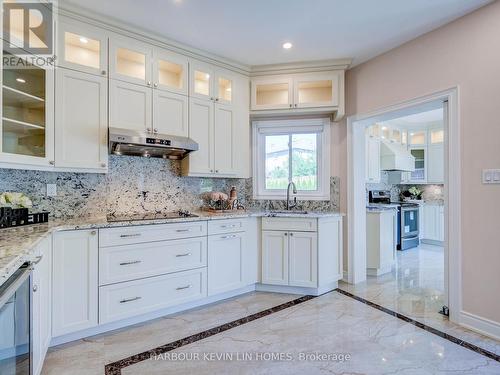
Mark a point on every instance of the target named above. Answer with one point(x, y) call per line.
point(261, 128)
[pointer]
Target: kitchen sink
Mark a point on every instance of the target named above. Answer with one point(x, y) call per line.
point(288, 212)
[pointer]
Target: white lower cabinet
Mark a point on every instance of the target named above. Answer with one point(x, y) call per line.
point(309, 258)
point(75, 281)
point(41, 297)
point(433, 222)
point(275, 257)
point(225, 262)
point(303, 259)
point(124, 300)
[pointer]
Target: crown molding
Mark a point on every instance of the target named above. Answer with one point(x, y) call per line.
point(300, 67)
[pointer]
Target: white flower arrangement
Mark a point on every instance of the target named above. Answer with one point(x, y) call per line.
point(15, 200)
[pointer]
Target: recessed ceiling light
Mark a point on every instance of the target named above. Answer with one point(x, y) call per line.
point(207, 76)
point(20, 80)
point(84, 40)
point(287, 45)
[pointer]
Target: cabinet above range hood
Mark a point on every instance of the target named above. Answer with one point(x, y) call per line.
point(395, 157)
point(142, 143)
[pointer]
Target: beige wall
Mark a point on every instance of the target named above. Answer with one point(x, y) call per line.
point(464, 53)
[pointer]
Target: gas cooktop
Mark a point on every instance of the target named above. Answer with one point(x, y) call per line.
point(151, 216)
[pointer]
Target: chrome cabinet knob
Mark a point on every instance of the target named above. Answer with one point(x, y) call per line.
point(295, 105)
point(290, 106)
point(155, 130)
point(211, 171)
point(148, 130)
point(103, 72)
point(156, 84)
point(35, 287)
point(216, 171)
point(93, 233)
point(286, 234)
point(52, 162)
point(149, 83)
point(216, 99)
point(291, 234)
point(103, 165)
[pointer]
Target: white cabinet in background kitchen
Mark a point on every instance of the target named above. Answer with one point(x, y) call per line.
point(81, 121)
point(41, 303)
point(381, 241)
point(435, 173)
point(225, 262)
point(75, 281)
point(433, 223)
point(372, 159)
point(82, 47)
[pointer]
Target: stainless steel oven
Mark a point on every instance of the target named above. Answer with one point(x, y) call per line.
point(409, 226)
point(15, 323)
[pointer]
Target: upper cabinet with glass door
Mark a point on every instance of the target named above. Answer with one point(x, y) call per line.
point(201, 79)
point(316, 90)
point(82, 47)
point(170, 71)
point(130, 61)
point(272, 93)
point(27, 128)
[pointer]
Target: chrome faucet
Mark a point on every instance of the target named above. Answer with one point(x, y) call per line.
point(288, 205)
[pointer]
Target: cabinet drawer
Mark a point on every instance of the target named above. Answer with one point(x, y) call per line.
point(289, 224)
point(130, 262)
point(124, 300)
point(150, 233)
point(226, 226)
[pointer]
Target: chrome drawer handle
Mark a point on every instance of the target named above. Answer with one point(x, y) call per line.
point(228, 226)
point(130, 235)
point(130, 299)
point(183, 230)
point(227, 237)
point(184, 287)
point(183, 255)
point(131, 262)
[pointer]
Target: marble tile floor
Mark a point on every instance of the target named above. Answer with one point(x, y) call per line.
point(330, 334)
point(415, 288)
point(89, 356)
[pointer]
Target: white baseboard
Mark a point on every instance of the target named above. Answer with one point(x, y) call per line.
point(378, 271)
point(345, 276)
point(480, 325)
point(296, 289)
point(149, 316)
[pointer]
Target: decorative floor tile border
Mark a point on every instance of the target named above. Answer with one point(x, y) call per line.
point(116, 367)
point(425, 327)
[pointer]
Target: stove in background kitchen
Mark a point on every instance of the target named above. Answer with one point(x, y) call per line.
point(408, 220)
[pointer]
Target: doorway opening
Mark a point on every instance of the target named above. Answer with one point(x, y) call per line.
point(403, 207)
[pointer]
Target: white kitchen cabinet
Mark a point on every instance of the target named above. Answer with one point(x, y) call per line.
point(275, 257)
point(130, 60)
point(41, 303)
point(201, 78)
point(75, 281)
point(27, 129)
point(130, 106)
point(170, 113)
point(82, 47)
point(170, 71)
point(435, 166)
point(81, 121)
point(275, 92)
point(433, 223)
point(224, 139)
point(419, 175)
point(303, 259)
point(372, 159)
point(380, 241)
point(311, 90)
point(225, 262)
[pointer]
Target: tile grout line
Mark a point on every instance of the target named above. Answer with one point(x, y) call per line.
point(425, 327)
point(116, 367)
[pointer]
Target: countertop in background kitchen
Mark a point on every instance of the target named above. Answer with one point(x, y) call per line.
point(18, 243)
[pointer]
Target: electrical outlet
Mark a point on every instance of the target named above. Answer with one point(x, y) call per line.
point(491, 176)
point(51, 190)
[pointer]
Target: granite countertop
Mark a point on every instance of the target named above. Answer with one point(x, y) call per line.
point(17, 244)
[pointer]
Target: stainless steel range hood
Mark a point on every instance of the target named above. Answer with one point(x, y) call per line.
point(142, 143)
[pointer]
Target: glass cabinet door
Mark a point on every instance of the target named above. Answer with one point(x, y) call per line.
point(224, 88)
point(202, 78)
point(437, 136)
point(130, 61)
point(417, 138)
point(82, 48)
point(27, 128)
point(420, 173)
point(170, 72)
point(272, 93)
point(396, 135)
point(315, 90)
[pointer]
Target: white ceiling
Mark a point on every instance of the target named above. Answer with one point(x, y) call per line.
point(428, 118)
point(252, 31)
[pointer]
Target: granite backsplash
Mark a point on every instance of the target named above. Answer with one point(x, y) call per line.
point(135, 185)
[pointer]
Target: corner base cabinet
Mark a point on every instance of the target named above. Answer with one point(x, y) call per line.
point(301, 252)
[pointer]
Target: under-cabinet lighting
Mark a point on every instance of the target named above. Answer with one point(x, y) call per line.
point(20, 80)
point(287, 45)
point(84, 40)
